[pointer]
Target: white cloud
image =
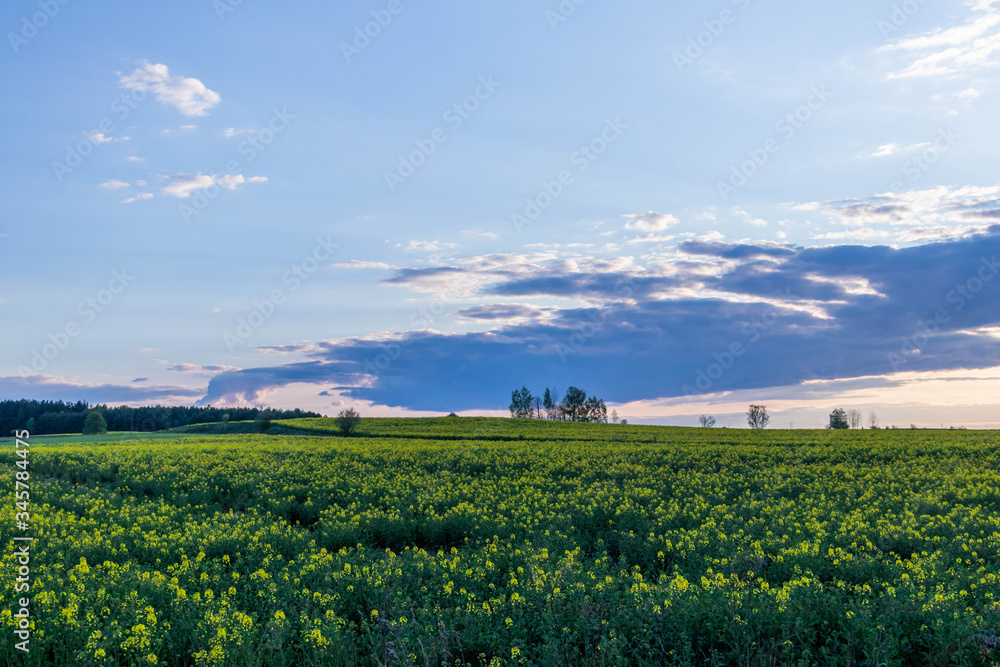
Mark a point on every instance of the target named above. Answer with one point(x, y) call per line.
point(479, 233)
point(936, 213)
point(358, 264)
point(144, 195)
point(133, 158)
point(653, 238)
point(183, 185)
point(748, 218)
point(886, 149)
point(189, 127)
point(187, 95)
point(114, 185)
point(951, 51)
point(863, 233)
point(230, 182)
point(100, 138)
point(968, 95)
point(232, 131)
point(428, 246)
point(711, 237)
point(650, 221)
point(893, 149)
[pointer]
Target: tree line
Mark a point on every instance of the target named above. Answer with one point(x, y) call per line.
point(840, 419)
point(575, 406)
point(51, 417)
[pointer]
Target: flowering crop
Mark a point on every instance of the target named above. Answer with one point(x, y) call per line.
point(426, 542)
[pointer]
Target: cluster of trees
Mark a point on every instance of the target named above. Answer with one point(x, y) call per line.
point(576, 406)
point(49, 417)
point(841, 419)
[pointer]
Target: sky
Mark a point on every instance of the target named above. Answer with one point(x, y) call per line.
point(414, 208)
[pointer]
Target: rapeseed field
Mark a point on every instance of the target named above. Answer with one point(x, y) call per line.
point(507, 542)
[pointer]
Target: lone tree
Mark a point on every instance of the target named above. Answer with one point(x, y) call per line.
point(872, 420)
point(838, 419)
point(757, 417)
point(855, 417)
point(348, 420)
point(263, 420)
point(707, 421)
point(94, 424)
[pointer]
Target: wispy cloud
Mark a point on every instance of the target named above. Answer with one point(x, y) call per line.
point(428, 246)
point(906, 217)
point(201, 370)
point(949, 52)
point(358, 264)
point(183, 185)
point(480, 234)
point(101, 138)
point(886, 150)
point(138, 197)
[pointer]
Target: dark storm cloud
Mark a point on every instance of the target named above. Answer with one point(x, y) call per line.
point(501, 311)
point(731, 251)
point(796, 316)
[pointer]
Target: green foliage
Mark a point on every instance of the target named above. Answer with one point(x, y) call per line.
point(574, 405)
point(437, 542)
point(263, 421)
point(547, 401)
point(95, 424)
point(348, 420)
point(838, 419)
point(53, 417)
point(522, 403)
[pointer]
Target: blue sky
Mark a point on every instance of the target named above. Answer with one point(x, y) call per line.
point(413, 209)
